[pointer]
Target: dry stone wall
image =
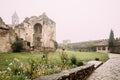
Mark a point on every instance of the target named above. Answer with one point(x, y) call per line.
point(79, 73)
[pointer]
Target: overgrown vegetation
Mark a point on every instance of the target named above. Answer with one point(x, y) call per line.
point(97, 59)
point(73, 60)
point(17, 46)
point(23, 66)
point(80, 63)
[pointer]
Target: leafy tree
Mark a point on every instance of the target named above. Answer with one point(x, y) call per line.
point(17, 46)
point(111, 39)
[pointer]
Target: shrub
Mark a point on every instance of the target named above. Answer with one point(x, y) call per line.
point(73, 60)
point(97, 59)
point(5, 75)
point(64, 60)
point(19, 77)
point(32, 69)
point(17, 46)
point(16, 67)
point(15, 71)
point(80, 63)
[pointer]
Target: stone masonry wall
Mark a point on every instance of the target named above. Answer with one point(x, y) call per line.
point(7, 38)
point(79, 73)
point(45, 35)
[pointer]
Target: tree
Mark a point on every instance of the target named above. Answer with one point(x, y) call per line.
point(111, 40)
point(17, 46)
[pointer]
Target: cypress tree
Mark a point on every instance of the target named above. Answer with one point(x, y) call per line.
point(111, 39)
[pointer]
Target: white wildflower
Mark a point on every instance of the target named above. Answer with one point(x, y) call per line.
point(10, 64)
point(21, 64)
point(16, 59)
point(9, 69)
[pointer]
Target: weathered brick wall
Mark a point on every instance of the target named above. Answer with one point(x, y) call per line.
point(79, 73)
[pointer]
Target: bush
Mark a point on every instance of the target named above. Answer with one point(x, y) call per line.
point(64, 60)
point(73, 60)
point(15, 71)
point(16, 67)
point(17, 46)
point(32, 69)
point(19, 77)
point(5, 75)
point(97, 59)
point(80, 63)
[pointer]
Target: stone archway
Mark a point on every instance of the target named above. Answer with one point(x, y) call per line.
point(37, 28)
point(37, 35)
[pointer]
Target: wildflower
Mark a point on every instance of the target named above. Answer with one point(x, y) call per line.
point(21, 65)
point(18, 72)
point(10, 64)
point(9, 69)
point(26, 77)
point(16, 59)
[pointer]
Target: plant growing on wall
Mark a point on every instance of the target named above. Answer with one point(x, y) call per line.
point(17, 46)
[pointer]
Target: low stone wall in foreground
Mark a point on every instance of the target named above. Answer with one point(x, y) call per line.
point(79, 73)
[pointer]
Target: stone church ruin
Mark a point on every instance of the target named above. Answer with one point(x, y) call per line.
point(36, 33)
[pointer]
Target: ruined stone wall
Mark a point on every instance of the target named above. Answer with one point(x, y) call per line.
point(38, 31)
point(4, 40)
point(48, 35)
point(79, 73)
point(7, 38)
point(44, 38)
point(25, 32)
point(2, 24)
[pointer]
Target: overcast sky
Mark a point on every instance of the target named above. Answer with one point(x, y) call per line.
point(77, 20)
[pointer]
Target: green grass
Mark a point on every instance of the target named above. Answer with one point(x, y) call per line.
point(53, 58)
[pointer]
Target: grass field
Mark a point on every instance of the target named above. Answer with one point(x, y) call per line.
point(53, 58)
